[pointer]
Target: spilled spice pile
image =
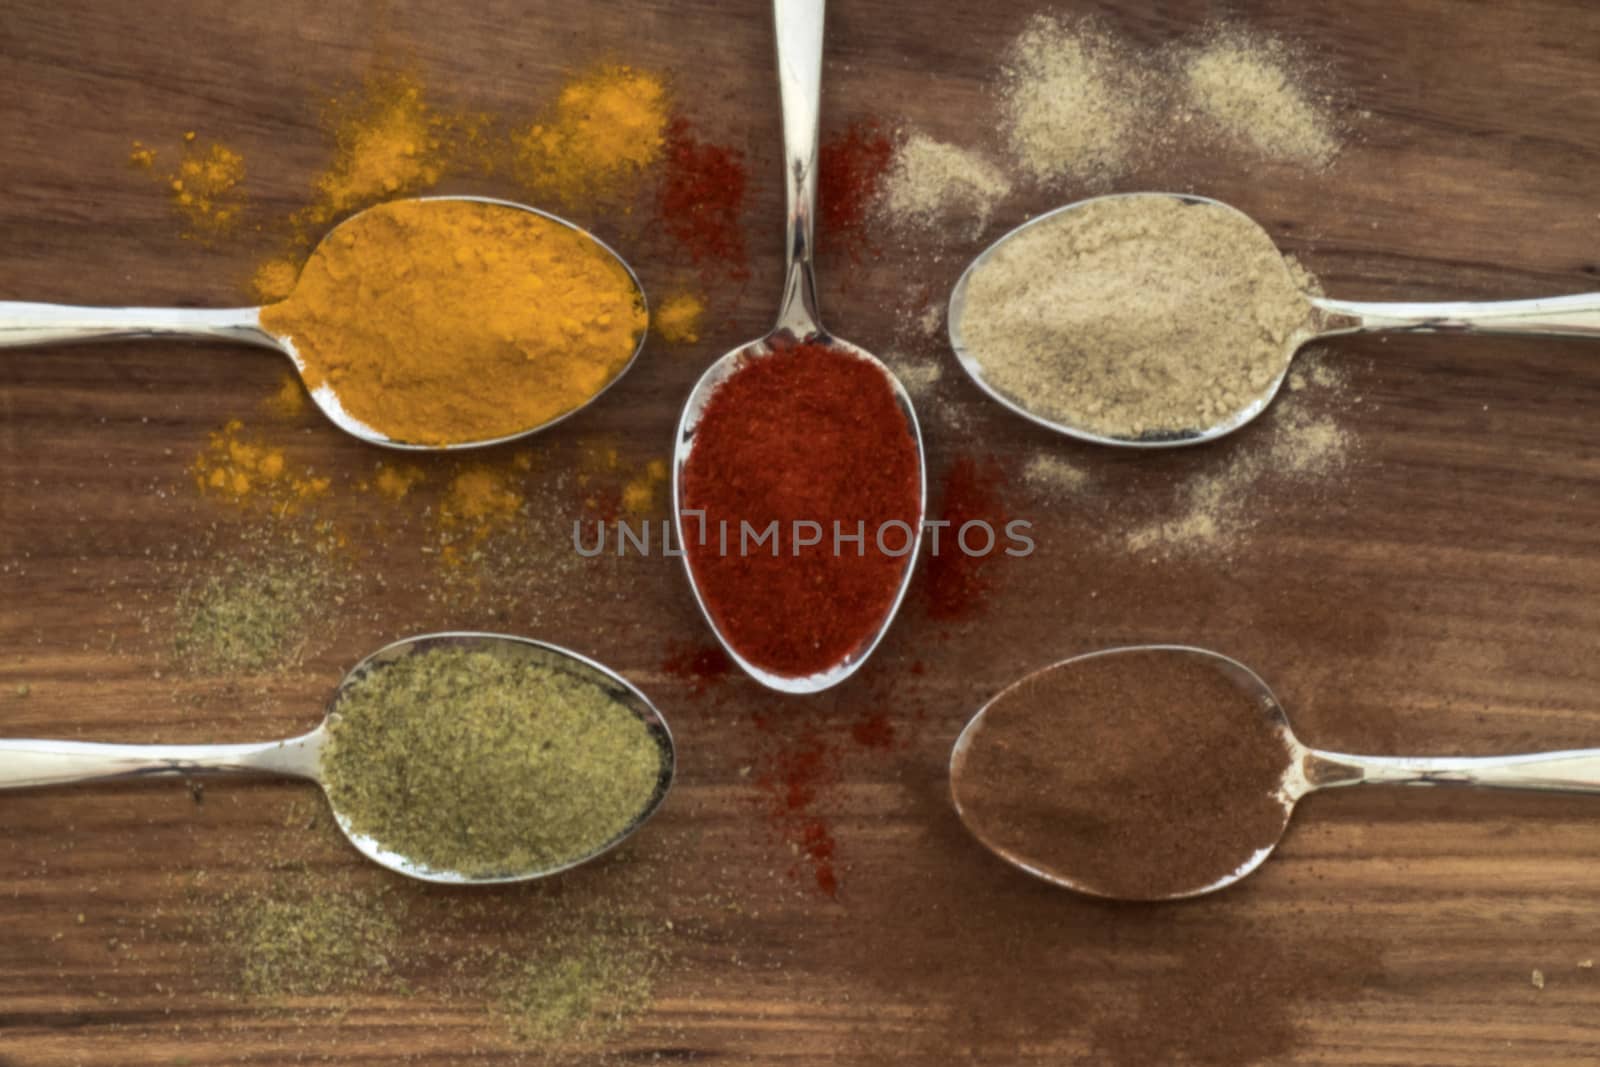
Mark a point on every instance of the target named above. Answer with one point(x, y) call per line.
point(297, 941)
point(206, 187)
point(1140, 316)
point(1135, 774)
point(1247, 86)
point(850, 168)
point(244, 469)
point(606, 127)
point(958, 584)
point(1073, 102)
point(677, 320)
point(590, 975)
point(932, 185)
point(1298, 440)
point(488, 761)
point(700, 200)
point(255, 615)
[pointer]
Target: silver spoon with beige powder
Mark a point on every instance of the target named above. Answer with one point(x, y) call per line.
point(1154, 320)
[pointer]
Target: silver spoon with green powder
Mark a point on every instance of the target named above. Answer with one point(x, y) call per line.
point(1155, 320)
point(466, 758)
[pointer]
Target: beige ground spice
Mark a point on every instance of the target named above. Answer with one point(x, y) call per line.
point(1136, 316)
point(1073, 102)
point(932, 184)
point(1251, 88)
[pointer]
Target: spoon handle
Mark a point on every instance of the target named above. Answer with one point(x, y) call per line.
point(1573, 771)
point(1560, 316)
point(25, 763)
point(798, 26)
point(24, 324)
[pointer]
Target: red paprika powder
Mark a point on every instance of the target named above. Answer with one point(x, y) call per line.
point(959, 584)
point(701, 197)
point(807, 435)
point(850, 168)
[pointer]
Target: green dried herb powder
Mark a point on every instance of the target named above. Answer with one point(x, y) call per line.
point(313, 941)
point(249, 618)
point(487, 762)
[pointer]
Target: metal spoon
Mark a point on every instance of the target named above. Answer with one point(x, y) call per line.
point(1559, 316)
point(1308, 769)
point(29, 763)
point(25, 324)
point(798, 24)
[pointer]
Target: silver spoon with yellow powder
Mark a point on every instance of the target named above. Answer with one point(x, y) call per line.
point(1154, 320)
point(433, 323)
point(465, 758)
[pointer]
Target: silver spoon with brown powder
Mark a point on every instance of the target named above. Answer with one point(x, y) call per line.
point(1158, 772)
point(466, 758)
point(1154, 320)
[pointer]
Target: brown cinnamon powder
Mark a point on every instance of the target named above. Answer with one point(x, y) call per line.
point(1136, 774)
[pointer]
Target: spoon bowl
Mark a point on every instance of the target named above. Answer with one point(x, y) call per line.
point(1566, 316)
point(798, 25)
point(30, 763)
point(1304, 770)
point(26, 324)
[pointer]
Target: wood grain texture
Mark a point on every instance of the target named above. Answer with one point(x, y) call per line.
point(1441, 596)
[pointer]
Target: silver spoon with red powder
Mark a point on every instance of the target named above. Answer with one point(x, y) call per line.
point(799, 31)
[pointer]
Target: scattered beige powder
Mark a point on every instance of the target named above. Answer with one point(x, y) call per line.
point(1052, 474)
point(931, 185)
point(918, 376)
point(1538, 979)
point(1217, 508)
point(1136, 317)
point(930, 320)
point(1073, 102)
point(1250, 87)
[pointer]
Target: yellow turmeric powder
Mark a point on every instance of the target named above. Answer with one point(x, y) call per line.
point(443, 322)
point(607, 126)
point(243, 470)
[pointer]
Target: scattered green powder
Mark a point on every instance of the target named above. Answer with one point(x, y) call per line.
point(249, 618)
point(488, 761)
point(311, 942)
point(585, 982)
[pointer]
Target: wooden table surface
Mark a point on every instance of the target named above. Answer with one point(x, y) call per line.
point(1441, 594)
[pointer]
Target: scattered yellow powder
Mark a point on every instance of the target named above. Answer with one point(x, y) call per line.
point(206, 186)
point(274, 280)
point(606, 127)
point(1250, 87)
point(677, 320)
point(481, 498)
point(390, 141)
point(395, 482)
point(643, 491)
point(243, 470)
point(290, 399)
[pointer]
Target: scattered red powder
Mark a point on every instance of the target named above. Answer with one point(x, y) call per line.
point(817, 840)
point(874, 731)
point(701, 198)
point(958, 584)
point(703, 665)
point(850, 169)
